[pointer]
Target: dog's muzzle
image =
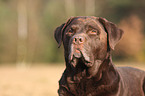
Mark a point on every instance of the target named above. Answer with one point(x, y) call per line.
point(76, 46)
point(77, 51)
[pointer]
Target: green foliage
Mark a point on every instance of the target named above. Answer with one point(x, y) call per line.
point(45, 15)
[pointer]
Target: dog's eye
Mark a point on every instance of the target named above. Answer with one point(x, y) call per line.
point(70, 31)
point(93, 32)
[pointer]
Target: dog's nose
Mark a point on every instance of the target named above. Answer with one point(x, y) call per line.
point(78, 40)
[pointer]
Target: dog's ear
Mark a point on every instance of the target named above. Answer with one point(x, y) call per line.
point(58, 34)
point(59, 31)
point(113, 32)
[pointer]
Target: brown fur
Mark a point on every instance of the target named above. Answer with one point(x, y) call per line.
point(88, 42)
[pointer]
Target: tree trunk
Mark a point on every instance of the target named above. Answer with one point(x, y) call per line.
point(90, 7)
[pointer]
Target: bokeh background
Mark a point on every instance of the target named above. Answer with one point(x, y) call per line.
point(30, 61)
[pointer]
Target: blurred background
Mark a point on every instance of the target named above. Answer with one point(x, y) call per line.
point(26, 38)
point(27, 27)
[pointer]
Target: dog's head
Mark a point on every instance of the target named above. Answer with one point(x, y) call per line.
point(87, 39)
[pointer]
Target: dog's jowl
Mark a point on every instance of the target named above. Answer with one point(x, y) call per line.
point(88, 42)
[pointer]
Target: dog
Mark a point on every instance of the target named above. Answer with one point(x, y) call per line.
point(88, 42)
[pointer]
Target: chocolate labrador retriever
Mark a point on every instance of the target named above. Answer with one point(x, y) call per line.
point(88, 42)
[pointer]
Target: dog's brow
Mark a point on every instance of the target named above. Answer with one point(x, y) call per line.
point(99, 25)
point(74, 26)
point(92, 26)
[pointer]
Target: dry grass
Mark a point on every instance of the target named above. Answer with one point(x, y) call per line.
point(32, 81)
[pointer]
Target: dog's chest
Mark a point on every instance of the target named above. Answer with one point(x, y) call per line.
point(82, 88)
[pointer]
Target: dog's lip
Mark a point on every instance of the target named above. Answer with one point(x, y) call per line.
point(76, 54)
point(73, 58)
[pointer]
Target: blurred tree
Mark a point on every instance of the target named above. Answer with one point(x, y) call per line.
point(22, 6)
point(90, 7)
point(26, 31)
point(8, 31)
point(33, 28)
point(70, 7)
point(115, 10)
point(131, 45)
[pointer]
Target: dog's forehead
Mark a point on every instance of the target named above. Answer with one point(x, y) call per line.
point(86, 20)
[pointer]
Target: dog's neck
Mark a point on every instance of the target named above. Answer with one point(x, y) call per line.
point(106, 78)
point(81, 71)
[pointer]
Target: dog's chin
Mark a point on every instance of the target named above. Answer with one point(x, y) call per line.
point(79, 57)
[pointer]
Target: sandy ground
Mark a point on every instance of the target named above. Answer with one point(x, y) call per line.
point(33, 80)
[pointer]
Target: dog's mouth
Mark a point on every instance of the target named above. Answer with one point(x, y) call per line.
point(77, 56)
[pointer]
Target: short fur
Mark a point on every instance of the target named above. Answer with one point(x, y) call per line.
point(88, 42)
